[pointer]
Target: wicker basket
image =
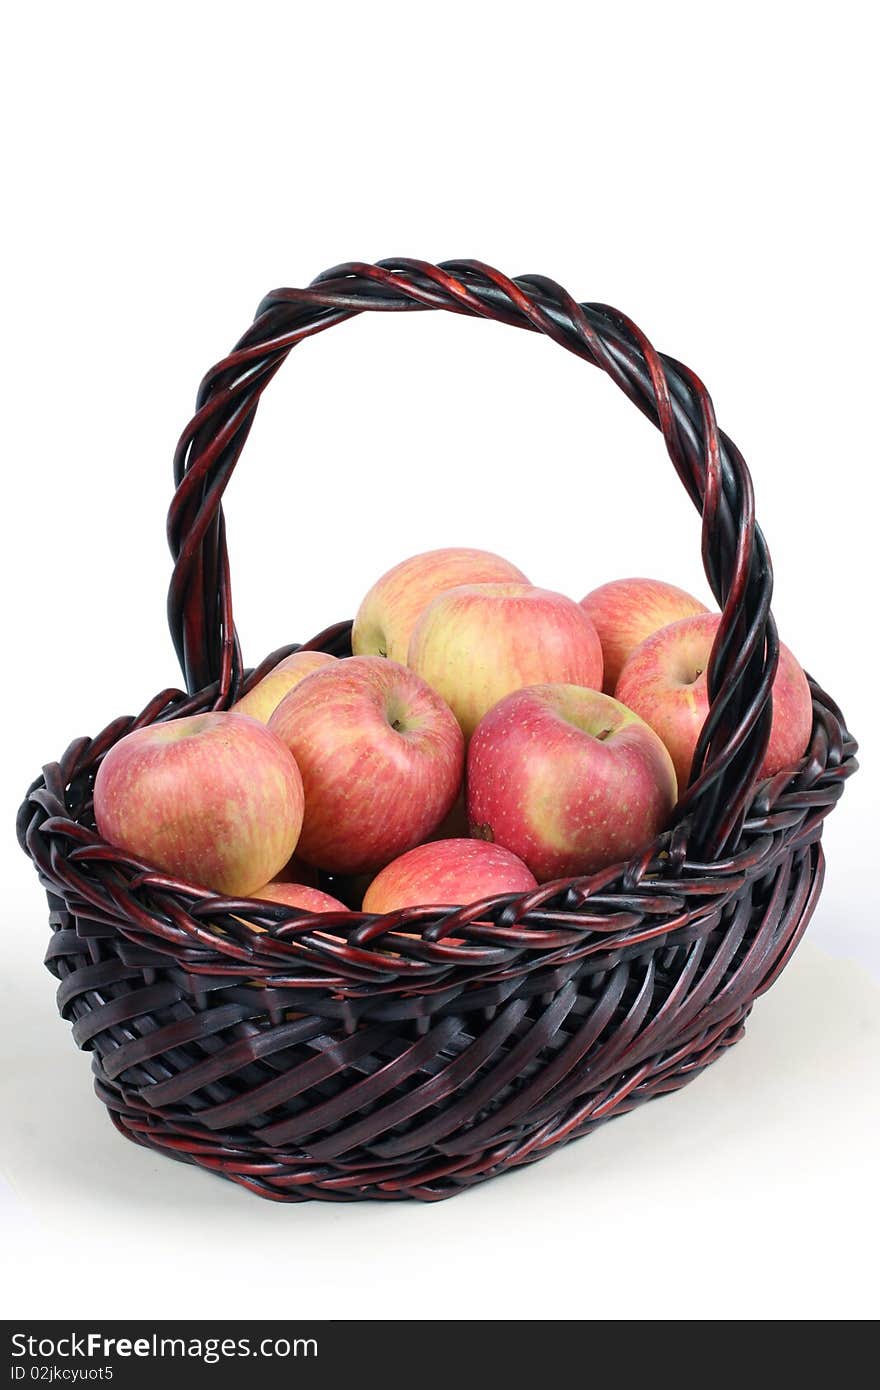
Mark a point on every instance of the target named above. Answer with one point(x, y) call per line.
point(357, 1061)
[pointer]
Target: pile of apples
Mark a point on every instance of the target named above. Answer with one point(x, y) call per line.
point(486, 736)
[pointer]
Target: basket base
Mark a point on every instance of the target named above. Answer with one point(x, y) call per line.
point(294, 1177)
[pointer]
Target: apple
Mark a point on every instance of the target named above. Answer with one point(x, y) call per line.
point(664, 680)
point(626, 611)
point(213, 799)
point(389, 611)
point(267, 695)
point(476, 643)
point(381, 758)
point(293, 895)
point(567, 779)
point(447, 873)
point(299, 895)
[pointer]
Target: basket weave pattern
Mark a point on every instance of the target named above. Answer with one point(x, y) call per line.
point(412, 1055)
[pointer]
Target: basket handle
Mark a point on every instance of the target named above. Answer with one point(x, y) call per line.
point(711, 812)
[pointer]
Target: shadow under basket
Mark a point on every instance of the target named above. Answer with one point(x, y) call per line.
point(349, 1056)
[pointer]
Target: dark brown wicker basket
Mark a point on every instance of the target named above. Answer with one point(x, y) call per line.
point(355, 1061)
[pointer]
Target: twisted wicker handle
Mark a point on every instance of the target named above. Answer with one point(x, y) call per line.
point(710, 814)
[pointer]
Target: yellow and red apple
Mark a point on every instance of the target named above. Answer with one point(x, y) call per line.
point(626, 611)
point(567, 779)
point(388, 613)
point(476, 643)
point(213, 799)
point(664, 681)
point(265, 697)
point(447, 873)
point(299, 895)
point(381, 758)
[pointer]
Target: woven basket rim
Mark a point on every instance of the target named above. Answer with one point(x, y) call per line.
point(552, 916)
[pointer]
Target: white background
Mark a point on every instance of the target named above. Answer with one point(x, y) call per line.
point(708, 170)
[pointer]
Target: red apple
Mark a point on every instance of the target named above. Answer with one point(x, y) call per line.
point(381, 758)
point(214, 799)
point(626, 611)
point(664, 681)
point(389, 611)
point(447, 873)
point(476, 643)
point(299, 895)
point(267, 695)
point(294, 895)
point(568, 779)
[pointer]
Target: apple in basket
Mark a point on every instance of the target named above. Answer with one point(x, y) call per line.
point(664, 680)
point(381, 758)
point(447, 873)
point(268, 693)
point(476, 643)
point(389, 611)
point(300, 895)
point(567, 779)
point(626, 611)
point(213, 799)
